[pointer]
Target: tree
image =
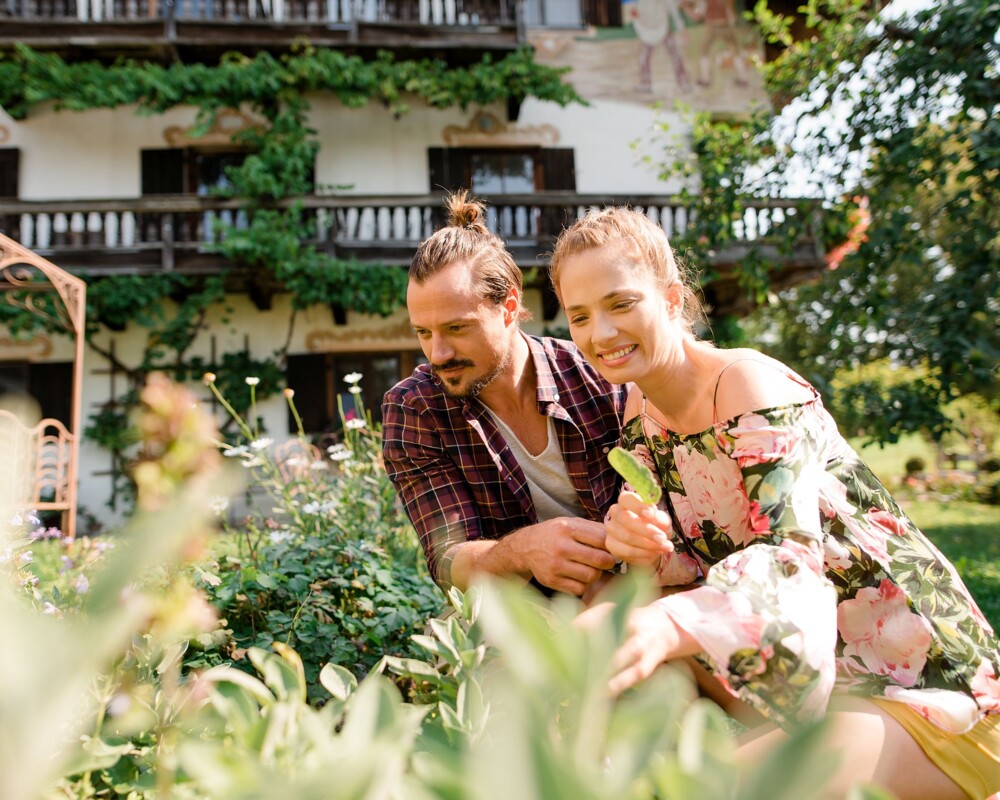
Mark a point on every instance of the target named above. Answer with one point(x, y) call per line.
point(903, 109)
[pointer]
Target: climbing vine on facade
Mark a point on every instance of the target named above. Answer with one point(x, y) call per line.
point(274, 246)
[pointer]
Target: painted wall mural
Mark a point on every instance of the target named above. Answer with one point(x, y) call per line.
point(697, 52)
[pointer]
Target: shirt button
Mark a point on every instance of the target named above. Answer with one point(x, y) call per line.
point(555, 397)
point(607, 449)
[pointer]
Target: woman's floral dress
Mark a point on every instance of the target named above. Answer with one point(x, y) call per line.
point(814, 580)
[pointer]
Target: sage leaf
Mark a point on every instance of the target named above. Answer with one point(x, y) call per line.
point(636, 473)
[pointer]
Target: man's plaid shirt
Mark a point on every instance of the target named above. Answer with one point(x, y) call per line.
point(454, 472)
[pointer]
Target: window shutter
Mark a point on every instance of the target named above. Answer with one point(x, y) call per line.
point(163, 171)
point(51, 384)
point(9, 161)
point(558, 174)
point(558, 169)
point(307, 375)
point(447, 168)
point(602, 13)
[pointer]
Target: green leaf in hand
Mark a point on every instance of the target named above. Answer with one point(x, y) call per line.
point(636, 473)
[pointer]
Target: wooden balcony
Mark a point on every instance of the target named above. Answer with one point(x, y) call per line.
point(179, 233)
point(204, 28)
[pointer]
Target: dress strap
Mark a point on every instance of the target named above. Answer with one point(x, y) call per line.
point(787, 372)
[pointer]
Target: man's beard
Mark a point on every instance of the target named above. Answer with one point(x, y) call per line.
point(476, 386)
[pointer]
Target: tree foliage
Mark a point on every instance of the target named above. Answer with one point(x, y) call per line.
point(903, 109)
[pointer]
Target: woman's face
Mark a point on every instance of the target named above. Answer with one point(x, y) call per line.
point(619, 316)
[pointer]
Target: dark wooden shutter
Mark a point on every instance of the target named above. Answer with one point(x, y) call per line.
point(308, 376)
point(556, 173)
point(51, 384)
point(10, 158)
point(163, 171)
point(447, 168)
point(602, 13)
point(558, 169)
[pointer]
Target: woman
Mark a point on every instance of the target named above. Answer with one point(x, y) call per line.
point(812, 593)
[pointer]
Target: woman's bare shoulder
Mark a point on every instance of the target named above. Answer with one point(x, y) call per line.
point(752, 381)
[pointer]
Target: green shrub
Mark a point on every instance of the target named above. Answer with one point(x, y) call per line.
point(990, 464)
point(914, 466)
point(332, 568)
point(988, 490)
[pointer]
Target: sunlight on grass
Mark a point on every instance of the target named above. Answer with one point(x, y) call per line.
point(888, 462)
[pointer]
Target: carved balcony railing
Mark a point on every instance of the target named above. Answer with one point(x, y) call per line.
point(442, 13)
point(180, 232)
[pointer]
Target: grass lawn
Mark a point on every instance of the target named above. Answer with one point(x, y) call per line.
point(969, 535)
point(888, 462)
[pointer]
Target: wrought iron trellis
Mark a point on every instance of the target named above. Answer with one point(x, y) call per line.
point(20, 273)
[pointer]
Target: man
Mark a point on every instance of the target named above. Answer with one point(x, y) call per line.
point(498, 446)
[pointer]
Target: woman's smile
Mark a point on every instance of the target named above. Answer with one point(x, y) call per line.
point(616, 357)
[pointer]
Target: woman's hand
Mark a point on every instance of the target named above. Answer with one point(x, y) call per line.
point(637, 532)
point(651, 638)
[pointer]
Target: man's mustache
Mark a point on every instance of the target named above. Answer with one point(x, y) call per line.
point(453, 364)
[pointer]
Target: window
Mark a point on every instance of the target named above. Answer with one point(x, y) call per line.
point(495, 172)
point(50, 384)
point(318, 380)
point(501, 170)
point(564, 13)
point(177, 170)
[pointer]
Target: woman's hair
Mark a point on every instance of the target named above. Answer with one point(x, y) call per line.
point(643, 237)
point(467, 239)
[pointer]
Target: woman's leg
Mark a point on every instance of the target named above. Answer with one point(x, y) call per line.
point(709, 687)
point(874, 748)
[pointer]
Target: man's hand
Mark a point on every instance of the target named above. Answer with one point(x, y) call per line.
point(565, 553)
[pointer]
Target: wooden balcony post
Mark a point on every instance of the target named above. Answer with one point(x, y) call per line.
point(169, 19)
point(167, 237)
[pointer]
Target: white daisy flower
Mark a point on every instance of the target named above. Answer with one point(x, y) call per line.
point(233, 452)
point(219, 504)
point(354, 424)
point(252, 381)
point(353, 377)
point(262, 443)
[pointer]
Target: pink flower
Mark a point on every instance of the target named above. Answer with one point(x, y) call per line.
point(694, 468)
point(715, 492)
point(953, 712)
point(690, 524)
point(879, 627)
point(986, 687)
point(757, 441)
point(676, 569)
point(721, 622)
point(833, 500)
point(872, 533)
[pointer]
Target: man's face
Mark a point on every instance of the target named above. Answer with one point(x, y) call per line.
point(467, 340)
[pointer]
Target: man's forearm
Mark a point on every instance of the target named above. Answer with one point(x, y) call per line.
point(484, 556)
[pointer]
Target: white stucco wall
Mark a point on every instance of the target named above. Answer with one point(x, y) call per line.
point(609, 140)
point(84, 155)
point(95, 154)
